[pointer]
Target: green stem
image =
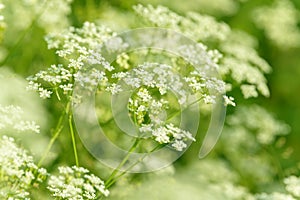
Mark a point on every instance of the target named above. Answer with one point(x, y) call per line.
point(130, 167)
point(114, 173)
point(57, 131)
point(113, 178)
point(57, 94)
point(73, 139)
point(180, 111)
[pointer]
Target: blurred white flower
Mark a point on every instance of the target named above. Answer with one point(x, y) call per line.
point(274, 196)
point(293, 185)
point(76, 183)
point(236, 52)
point(280, 23)
point(18, 173)
point(259, 120)
point(11, 117)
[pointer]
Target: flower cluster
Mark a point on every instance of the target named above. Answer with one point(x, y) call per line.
point(200, 56)
point(155, 75)
point(217, 8)
point(75, 183)
point(163, 17)
point(82, 47)
point(11, 118)
point(279, 22)
point(147, 112)
point(181, 184)
point(93, 78)
point(258, 120)
point(169, 134)
point(18, 173)
point(274, 196)
point(293, 185)
point(163, 78)
point(240, 61)
point(292, 191)
point(249, 132)
point(142, 104)
point(55, 75)
point(78, 46)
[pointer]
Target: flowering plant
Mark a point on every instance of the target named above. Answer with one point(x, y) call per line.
point(96, 90)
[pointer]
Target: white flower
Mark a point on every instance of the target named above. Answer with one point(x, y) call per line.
point(114, 89)
point(17, 171)
point(27, 125)
point(249, 91)
point(274, 196)
point(255, 118)
point(293, 185)
point(33, 86)
point(229, 101)
point(115, 44)
point(134, 82)
point(120, 75)
point(209, 99)
point(44, 93)
point(235, 56)
point(179, 145)
point(122, 60)
point(144, 95)
point(170, 134)
point(78, 46)
point(279, 21)
point(11, 117)
point(161, 135)
point(67, 88)
point(146, 128)
point(163, 17)
point(76, 183)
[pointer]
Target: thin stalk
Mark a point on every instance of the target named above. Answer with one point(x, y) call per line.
point(57, 131)
point(73, 139)
point(130, 167)
point(131, 150)
point(179, 111)
point(112, 178)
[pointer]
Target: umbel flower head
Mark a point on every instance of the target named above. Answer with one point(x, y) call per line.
point(81, 48)
point(240, 64)
point(76, 46)
point(18, 173)
point(279, 21)
point(247, 135)
point(76, 183)
point(260, 121)
point(292, 187)
point(11, 118)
